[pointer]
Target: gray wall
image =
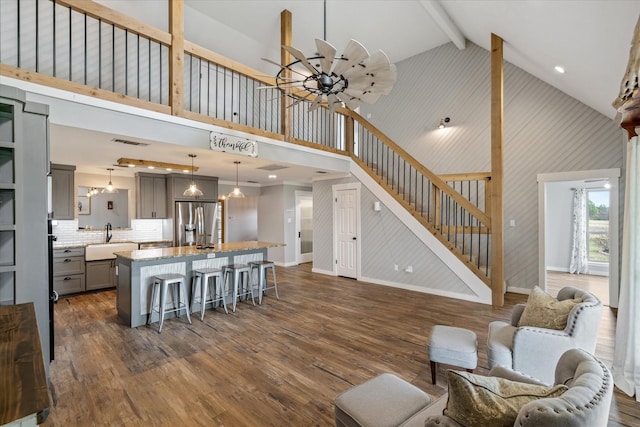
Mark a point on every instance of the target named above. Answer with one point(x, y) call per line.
point(545, 131)
point(385, 241)
point(242, 219)
point(277, 222)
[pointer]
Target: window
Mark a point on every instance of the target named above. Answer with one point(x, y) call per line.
point(598, 225)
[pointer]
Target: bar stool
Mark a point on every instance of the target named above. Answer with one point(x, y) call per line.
point(239, 271)
point(160, 284)
point(262, 277)
point(200, 287)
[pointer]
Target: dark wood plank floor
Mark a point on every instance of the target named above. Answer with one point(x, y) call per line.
point(279, 364)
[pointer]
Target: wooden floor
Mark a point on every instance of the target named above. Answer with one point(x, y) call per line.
point(278, 364)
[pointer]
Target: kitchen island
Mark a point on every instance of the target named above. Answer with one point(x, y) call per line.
point(136, 270)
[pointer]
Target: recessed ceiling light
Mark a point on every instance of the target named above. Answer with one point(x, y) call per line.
point(560, 69)
point(151, 167)
point(273, 176)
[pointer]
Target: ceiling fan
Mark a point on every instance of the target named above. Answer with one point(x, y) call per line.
point(353, 78)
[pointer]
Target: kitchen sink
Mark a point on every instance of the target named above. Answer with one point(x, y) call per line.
point(106, 250)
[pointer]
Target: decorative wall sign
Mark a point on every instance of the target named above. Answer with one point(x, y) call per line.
point(233, 144)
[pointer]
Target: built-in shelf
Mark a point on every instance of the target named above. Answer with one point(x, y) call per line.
point(7, 144)
point(7, 268)
point(7, 227)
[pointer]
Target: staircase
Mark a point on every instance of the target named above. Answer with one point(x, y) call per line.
point(451, 207)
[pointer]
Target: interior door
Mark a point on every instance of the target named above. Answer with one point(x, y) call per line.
point(304, 227)
point(346, 233)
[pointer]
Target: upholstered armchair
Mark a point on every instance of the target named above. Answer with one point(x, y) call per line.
point(585, 403)
point(535, 351)
point(580, 397)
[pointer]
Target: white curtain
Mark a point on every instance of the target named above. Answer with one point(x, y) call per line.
point(579, 242)
point(626, 358)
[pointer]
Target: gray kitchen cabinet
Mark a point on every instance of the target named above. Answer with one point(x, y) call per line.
point(62, 191)
point(24, 165)
point(100, 274)
point(151, 192)
point(68, 270)
point(176, 184)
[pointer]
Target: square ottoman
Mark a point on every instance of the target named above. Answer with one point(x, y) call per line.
point(452, 346)
point(383, 401)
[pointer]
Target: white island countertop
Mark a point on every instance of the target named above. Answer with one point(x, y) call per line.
point(181, 251)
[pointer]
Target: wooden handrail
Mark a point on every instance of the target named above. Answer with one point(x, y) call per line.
point(55, 82)
point(473, 176)
point(435, 179)
point(117, 19)
point(216, 58)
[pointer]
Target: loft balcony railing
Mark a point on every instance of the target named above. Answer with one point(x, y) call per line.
point(84, 47)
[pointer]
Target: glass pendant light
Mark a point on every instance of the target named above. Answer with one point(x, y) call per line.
point(110, 188)
point(236, 193)
point(192, 190)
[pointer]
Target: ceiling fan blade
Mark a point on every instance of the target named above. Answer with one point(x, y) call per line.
point(299, 100)
point(353, 54)
point(376, 62)
point(334, 102)
point(317, 103)
point(300, 57)
point(351, 102)
point(283, 67)
point(379, 82)
point(328, 53)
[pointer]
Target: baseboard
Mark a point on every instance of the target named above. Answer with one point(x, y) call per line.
point(516, 290)
point(559, 269)
point(321, 271)
point(439, 292)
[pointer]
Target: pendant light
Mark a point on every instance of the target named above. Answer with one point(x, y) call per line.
point(110, 188)
point(236, 193)
point(193, 190)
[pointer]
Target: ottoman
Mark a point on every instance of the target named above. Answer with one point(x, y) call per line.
point(452, 346)
point(383, 401)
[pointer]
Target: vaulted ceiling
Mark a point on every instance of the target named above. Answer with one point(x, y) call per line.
point(589, 38)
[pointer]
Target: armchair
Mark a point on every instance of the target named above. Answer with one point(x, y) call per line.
point(535, 351)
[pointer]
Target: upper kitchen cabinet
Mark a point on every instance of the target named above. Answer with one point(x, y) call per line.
point(152, 195)
point(62, 191)
point(176, 184)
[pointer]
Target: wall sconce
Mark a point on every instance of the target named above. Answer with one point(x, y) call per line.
point(443, 123)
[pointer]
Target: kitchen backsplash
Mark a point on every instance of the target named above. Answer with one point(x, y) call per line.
point(142, 230)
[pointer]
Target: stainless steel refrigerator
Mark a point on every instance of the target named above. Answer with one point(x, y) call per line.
point(196, 223)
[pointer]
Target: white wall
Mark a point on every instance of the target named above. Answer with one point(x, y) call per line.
point(559, 225)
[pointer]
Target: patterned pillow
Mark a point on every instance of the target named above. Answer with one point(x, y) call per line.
point(480, 401)
point(544, 311)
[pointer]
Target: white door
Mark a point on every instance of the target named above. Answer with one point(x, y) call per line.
point(346, 232)
point(304, 226)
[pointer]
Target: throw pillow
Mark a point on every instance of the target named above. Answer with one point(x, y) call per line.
point(544, 311)
point(480, 401)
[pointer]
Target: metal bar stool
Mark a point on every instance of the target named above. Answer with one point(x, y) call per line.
point(262, 277)
point(239, 271)
point(200, 289)
point(160, 284)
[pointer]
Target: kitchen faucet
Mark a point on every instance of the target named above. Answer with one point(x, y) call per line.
point(108, 232)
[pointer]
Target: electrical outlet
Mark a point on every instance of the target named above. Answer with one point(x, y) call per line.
point(409, 269)
point(395, 267)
